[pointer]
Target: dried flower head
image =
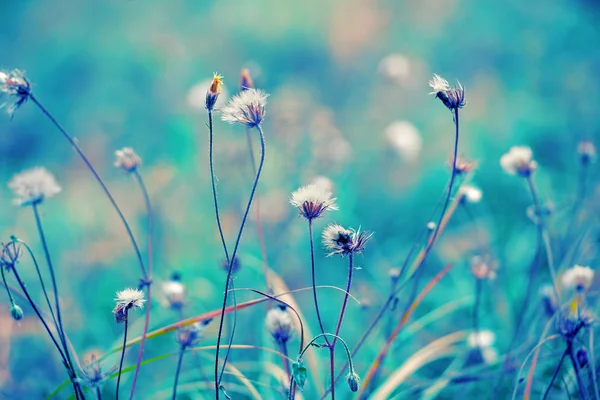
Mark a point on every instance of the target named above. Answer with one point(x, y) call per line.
point(246, 108)
point(463, 165)
point(14, 84)
point(245, 80)
point(174, 292)
point(188, 335)
point(483, 266)
point(127, 159)
point(11, 252)
point(33, 186)
point(342, 241)
point(587, 152)
point(312, 200)
point(570, 321)
point(126, 300)
point(92, 375)
point(453, 98)
point(578, 278)
point(213, 92)
point(470, 194)
point(279, 323)
point(519, 161)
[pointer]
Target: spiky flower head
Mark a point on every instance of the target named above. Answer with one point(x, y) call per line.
point(587, 152)
point(342, 241)
point(246, 108)
point(92, 374)
point(312, 200)
point(188, 335)
point(571, 320)
point(578, 278)
point(519, 161)
point(14, 84)
point(470, 194)
point(126, 300)
point(213, 92)
point(279, 324)
point(127, 160)
point(246, 80)
point(11, 252)
point(452, 97)
point(33, 186)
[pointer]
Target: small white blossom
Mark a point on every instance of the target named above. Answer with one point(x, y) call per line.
point(127, 299)
point(312, 200)
point(483, 267)
point(470, 193)
point(127, 159)
point(14, 84)
point(405, 138)
point(246, 108)
point(453, 98)
point(33, 186)
point(578, 277)
point(342, 241)
point(279, 323)
point(174, 292)
point(518, 161)
point(438, 84)
point(483, 338)
point(431, 225)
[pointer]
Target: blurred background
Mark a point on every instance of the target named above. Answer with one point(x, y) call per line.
point(348, 107)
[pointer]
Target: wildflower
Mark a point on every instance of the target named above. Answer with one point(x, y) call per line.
point(483, 338)
point(213, 92)
point(127, 299)
point(279, 324)
point(342, 241)
point(11, 252)
point(353, 381)
point(519, 161)
point(188, 335)
point(549, 300)
point(174, 291)
point(33, 186)
point(578, 277)
point(92, 375)
point(405, 138)
point(587, 152)
point(453, 98)
point(470, 193)
point(247, 108)
point(14, 83)
point(570, 321)
point(127, 160)
point(312, 200)
point(394, 274)
point(235, 266)
point(483, 267)
point(16, 312)
point(463, 165)
point(482, 347)
point(533, 214)
point(246, 80)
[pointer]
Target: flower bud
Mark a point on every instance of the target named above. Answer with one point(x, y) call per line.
point(212, 94)
point(16, 312)
point(353, 381)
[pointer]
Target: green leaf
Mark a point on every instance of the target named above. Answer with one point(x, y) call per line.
point(299, 371)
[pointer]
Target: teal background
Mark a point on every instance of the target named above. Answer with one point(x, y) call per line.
point(119, 73)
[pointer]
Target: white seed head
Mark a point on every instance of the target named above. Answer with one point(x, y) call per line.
point(174, 292)
point(126, 300)
point(342, 241)
point(405, 138)
point(14, 84)
point(438, 84)
point(312, 200)
point(127, 159)
point(470, 193)
point(452, 97)
point(279, 323)
point(578, 278)
point(518, 161)
point(33, 186)
point(482, 339)
point(246, 108)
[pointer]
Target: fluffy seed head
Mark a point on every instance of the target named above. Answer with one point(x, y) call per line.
point(312, 200)
point(578, 278)
point(452, 97)
point(279, 323)
point(342, 241)
point(33, 186)
point(127, 159)
point(483, 338)
point(570, 321)
point(470, 193)
point(174, 292)
point(92, 374)
point(246, 108)
point(127, 299)
point(14, 84)
point(519, 161)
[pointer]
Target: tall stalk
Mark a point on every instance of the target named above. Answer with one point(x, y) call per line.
point(126, 311)
point(314, 284)
point(178, 371)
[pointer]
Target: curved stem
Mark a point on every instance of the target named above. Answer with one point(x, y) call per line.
point(122, 354)
point(555, 374)
point(148, 280)
point(314, 284)
point(10, 296)
point(177, 371)
point(237, 242)
point(100, 181)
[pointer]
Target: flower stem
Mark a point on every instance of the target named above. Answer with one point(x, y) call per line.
point(98, 393)
point(61, 330)
point(314, 284)
point(284, 359)
point(148, 279)
point(549, 388)
point(10, 296)
point(100, 181)
point(582, 389)
point(177, 371)
point(229, 271)
point(122, 353)
point(478, 287)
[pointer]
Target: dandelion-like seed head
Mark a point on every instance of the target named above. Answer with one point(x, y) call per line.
point(127, 160)
point(312, 200)
point(14, 84)
point(470, 194)
point(126, 300)
point(482, 338)
point(587, 152)
point(578, 278)
point(11, 252)
point(246, 80)
point(519, 161)
point(342, 241)
point(452, 97)
point(483, 266)
point(92, 374)
point(33, 186)
point(279, 324)
point(213, 92)
point(246, 108)
point(174, 292)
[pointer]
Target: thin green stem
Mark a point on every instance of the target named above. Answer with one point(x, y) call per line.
point(100, 181)
point(314, 283)
point(177, 371)
point(126, 311)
